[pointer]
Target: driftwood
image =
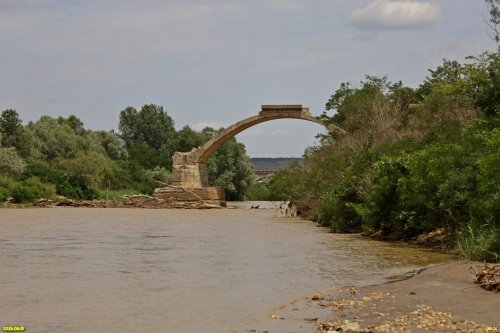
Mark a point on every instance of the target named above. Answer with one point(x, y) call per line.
point(487, 277)
point(130, 201)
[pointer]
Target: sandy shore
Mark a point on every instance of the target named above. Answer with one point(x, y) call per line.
point(441, 298)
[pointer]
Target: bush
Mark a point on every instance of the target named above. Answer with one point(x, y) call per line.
point(65, 184)
point(480, 242)
point(160, 174)
point(122, 175)
point(257, 192)
point(10, 162)
point(6, 185)
point(338, 212)
point(31, 189)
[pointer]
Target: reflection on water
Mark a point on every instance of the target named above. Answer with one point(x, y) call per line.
point(120, 270)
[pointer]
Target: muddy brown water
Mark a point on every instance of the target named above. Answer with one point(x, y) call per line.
point(140, 270)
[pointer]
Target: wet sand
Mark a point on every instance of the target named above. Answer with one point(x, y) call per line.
point(441, 298)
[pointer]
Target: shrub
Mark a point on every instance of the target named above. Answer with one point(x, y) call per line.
point(65, 184)
point(480, 242)
point(337, 210)
point(257, 192)
point(31, 189)
point(6, 185)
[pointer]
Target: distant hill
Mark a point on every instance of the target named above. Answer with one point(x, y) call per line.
point(273, 163)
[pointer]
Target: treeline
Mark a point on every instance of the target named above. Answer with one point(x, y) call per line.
point(273, 163)
point(413, 161)
point(58, 156)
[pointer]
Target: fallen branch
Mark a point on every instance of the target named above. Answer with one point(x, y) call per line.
point(486, 277)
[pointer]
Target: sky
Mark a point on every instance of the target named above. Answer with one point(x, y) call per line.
point(213, 63)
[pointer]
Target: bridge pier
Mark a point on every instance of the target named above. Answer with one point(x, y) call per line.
point(190, 182)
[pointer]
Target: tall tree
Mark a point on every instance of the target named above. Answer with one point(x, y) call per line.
point(187, 139)
point(11, 164)
point(494, 8)
point(151, 126)
point(230, 168)
point(14, 134)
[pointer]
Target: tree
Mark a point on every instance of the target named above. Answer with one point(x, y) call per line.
point(488, 96)
point(151, 126)
point(111, 143)
point(14, 134)
point(453, 85)
point(58, 139)
point(10, 124)
point(494, 8)
point(230, 168)
point(74, 122)
point(11, 164)
point(88, 167)
point(187, 139)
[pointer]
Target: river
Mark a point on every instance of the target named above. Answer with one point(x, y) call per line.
point(146, 270)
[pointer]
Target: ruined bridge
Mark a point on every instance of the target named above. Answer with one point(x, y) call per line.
point(189, 172)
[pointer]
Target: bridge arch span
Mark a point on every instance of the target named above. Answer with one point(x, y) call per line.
point(213, 144)
point(189, 169)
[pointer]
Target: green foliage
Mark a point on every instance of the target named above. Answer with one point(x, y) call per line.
point(494, 21)
point(339, 213)
point(74, 123)
point(486, 205)
point(258, 192)
point(88, 168)
point(406, 169)
point(11, 164)
point(80, 162)
point(283, 184)
point(111, 143)
point(160, 174)
point(188, 139)
point(144, 156)
point(6, 186)
point(31, 189)
point(57, 139)
point(230, 168)
point(123, 175)
point(13, 134)
point(488, 96)
point(65, 184)
point(151, 126)
point(480, 242)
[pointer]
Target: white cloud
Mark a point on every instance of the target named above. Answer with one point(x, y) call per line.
point(394, 15)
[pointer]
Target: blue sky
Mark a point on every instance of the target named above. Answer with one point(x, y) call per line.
point(215, 62)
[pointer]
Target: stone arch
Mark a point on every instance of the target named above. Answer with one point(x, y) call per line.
point(189, 169)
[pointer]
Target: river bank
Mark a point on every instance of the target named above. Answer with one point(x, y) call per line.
point(441, 298)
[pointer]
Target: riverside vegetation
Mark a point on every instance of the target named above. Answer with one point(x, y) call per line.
point(414, 161)
point(58, 156)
